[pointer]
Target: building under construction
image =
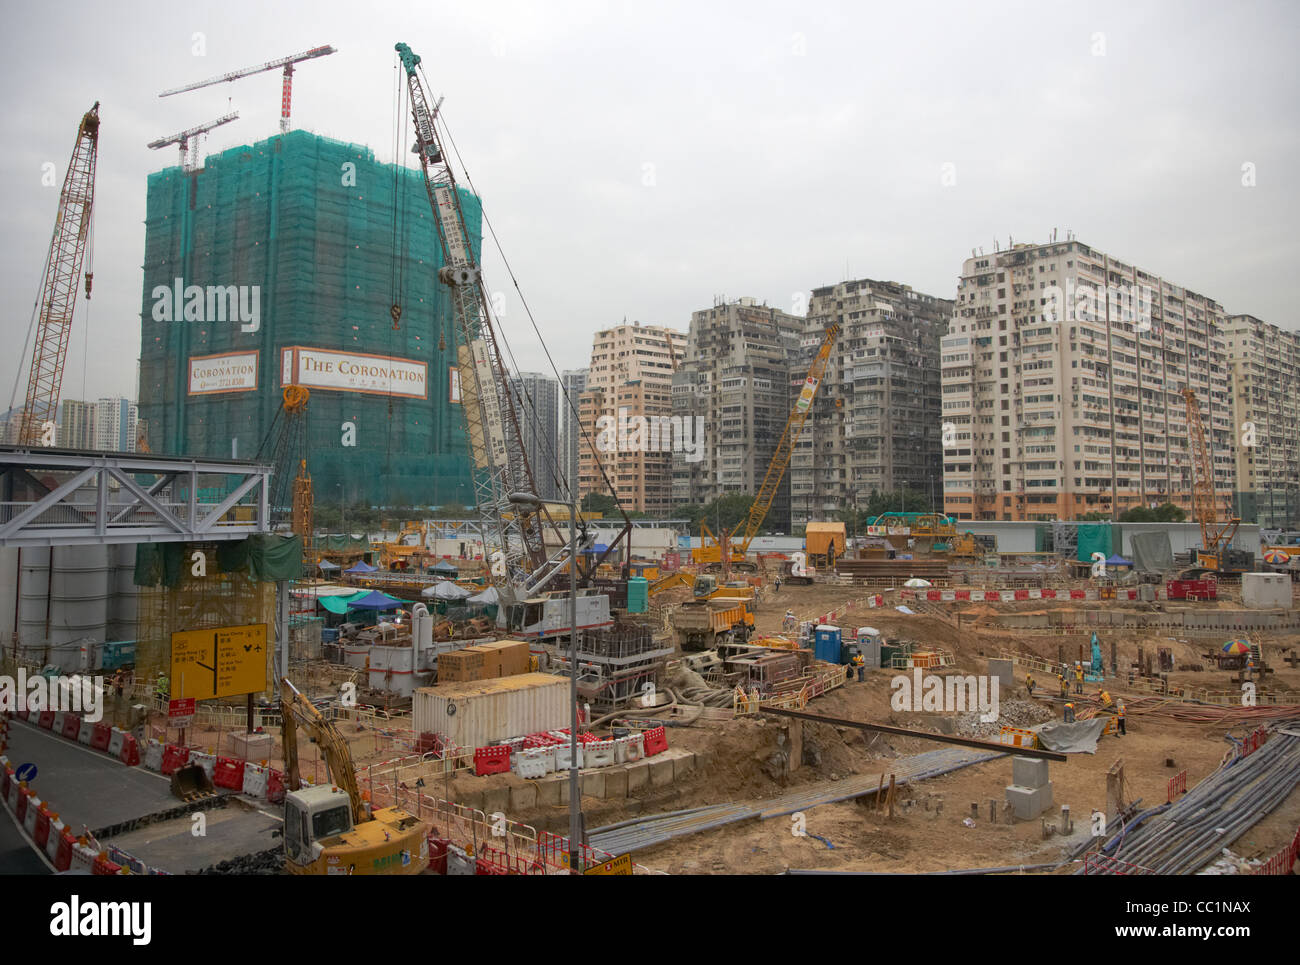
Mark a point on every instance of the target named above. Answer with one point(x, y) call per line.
point(301, 259)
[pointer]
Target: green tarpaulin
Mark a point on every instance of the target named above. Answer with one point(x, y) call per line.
point(158, 563)
point(266, 557)
point(342, 542)
point(1094, 538)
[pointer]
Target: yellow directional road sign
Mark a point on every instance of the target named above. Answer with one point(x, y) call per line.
point(219, 662)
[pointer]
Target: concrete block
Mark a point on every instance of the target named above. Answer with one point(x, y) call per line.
point(593, 783)
point(496, 799)
point(683, 766)
point(1266, 591)
point(616, 783)
point(523, 797)
point(471, 799)
point(1029, 772)
point(661, 771)
point(638, 775)
point(548, 790)
point(1029, 802)
point(252, 747)
point(1004, 670)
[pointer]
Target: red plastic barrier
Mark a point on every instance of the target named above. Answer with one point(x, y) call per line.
point(491, 760)
point(1078, 594)
point(963, 594)
point(6, 782)
point(20, 812)
point(1177, 784)
point(103, 866)
point(173, 757)
point(228, 773)
point(587, 738)
point(71, 725)
point(1022, 594)
point(41, 832)
point(274, 786)
point(130, 755)
point(438, 855)
point(934, 596)
point(63, 857)
point(102, 735)
point(46, 720)
point(1049, 594)
point(656, 740)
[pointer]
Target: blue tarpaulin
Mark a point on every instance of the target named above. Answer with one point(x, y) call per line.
point(361, 566)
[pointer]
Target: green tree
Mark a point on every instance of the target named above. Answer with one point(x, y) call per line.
point(599, 503)
point(1138, 514)
point(1170, 513)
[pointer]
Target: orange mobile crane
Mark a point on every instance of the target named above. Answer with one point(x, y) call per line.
point(711, 552)
point(72, 232)
point(1216, 554)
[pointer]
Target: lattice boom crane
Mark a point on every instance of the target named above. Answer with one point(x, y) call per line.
point(72, 228)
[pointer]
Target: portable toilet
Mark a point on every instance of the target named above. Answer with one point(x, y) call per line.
point(826, 643)
point(638, 594)
point(869, 645)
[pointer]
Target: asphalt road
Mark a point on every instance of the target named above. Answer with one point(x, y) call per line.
point(17, 853)
point(86, 787)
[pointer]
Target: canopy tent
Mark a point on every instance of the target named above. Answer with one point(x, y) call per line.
point(1118, 560)
point(361, 566)
point(444, 568)
point(489, 597)
point(327, 565)
point(444, 590)
point(917, 583)
point(375, 601)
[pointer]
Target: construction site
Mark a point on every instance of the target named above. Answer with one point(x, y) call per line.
point(536, 689)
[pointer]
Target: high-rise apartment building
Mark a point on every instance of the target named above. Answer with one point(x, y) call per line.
point(735, 377)
point(115, 425)
point(77, 425)
point(575, 383)
point(875, 422)
point(1063, 371)
point(629, 383)
point(537, 401)
point(1265, 365)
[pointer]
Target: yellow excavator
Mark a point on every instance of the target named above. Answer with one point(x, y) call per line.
point(328, 829)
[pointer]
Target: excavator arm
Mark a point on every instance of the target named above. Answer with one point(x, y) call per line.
point(295, 709)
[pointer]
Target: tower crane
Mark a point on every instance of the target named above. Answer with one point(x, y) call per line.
point(189, 140)
point(72, 232)
point(758, 509)
point(286, 90)
point(512, 529)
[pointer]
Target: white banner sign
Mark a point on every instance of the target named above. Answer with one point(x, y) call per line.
point(353, 372)
point(210, 374)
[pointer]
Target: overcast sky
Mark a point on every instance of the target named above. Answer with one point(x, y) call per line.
point(639, 159)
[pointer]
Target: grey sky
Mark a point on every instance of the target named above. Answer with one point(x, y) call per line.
point(789, 143)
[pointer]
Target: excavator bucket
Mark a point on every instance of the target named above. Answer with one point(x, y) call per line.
point(191, 782)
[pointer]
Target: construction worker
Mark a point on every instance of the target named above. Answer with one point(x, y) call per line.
point(163, 687)
point(1069, 712)
point(1078, 679)
point(1029, 684)
point(1065, 687)
point(777, 584)
point(790, 622)
point(1119, 718)
point(1105, 699)
point(861, 664)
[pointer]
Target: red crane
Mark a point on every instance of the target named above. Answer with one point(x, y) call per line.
point(72, 228)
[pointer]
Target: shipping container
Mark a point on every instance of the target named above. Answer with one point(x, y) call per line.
point(477, 713)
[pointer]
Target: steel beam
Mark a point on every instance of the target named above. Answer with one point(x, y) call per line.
point(923, 735)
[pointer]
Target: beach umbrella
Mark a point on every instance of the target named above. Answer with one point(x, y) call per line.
point(1277, 557)
point(1236, 646)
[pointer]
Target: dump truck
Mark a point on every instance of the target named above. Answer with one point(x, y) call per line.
point(703, 624)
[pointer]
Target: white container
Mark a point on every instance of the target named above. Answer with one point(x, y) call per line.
point(355, 654)
point(391, 670)
point(476, 714)
point(1266, 591)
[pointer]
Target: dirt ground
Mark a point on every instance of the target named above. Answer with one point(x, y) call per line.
point(927, 831)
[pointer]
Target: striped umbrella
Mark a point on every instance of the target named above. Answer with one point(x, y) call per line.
point(1237, 646)
point(1277, 557)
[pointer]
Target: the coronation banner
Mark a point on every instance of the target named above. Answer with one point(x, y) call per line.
point(236, 372)
point(353, 372)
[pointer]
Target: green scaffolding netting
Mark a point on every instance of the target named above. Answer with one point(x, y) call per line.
point(1094, 538)
point(331, 238)
point(263, 558)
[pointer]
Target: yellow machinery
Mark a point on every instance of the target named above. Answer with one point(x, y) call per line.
point(327, 830)
point(704, 587)
point(710, 551)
